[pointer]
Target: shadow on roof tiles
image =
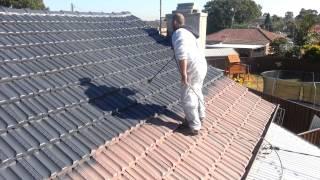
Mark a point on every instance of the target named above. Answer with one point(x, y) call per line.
point(153, 33)
point(117, 101)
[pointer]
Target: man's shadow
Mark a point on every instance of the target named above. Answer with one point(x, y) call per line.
point(119, 103)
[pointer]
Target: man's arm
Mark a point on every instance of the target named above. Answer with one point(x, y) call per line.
point(179, 44)
point(183, 71)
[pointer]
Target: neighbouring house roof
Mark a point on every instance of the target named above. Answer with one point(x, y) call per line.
point(299, 159)
point(255, 36)
point(75, 103)
point(220, 52)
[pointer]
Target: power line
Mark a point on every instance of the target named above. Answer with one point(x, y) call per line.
point(276, 149)
point(281, 165)
point(295, 152)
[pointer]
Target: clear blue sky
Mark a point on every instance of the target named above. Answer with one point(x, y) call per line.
point(149, 9)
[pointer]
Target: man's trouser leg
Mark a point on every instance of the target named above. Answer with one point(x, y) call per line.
point(190, 103)
point(202, 108)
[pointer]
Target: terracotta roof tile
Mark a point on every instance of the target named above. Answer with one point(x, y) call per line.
point(155, 151)
point(243, 36)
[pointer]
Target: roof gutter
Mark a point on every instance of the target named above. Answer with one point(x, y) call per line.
point(257, 148)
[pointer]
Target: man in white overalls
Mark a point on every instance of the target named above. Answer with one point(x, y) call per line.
point(193, 69)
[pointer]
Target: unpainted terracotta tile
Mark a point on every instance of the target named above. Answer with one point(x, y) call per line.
point(166, 161)
point(228, 169)
point(146, 169)
point(133, 144)
point(192, 165)
point(87, 172)
point(158, 163)
point(143, 139)
point(166, 152)
point(131, 174)
point(187, 173)
point(123, 154)
point(110, 159)
point(75, 175)
point(99, 169)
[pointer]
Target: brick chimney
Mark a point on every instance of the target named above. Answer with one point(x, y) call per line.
point(194, 18)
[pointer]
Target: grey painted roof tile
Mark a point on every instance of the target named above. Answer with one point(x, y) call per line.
point(64, 94)
point(21, 171)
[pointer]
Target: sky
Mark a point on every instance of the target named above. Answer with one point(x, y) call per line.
point(150, 9)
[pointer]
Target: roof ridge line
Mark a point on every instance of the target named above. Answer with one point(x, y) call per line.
point(26, 11)
point(263, 33)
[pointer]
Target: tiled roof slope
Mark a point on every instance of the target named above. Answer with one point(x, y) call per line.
point(74, 85)
point(243, 36)
point(159, 149)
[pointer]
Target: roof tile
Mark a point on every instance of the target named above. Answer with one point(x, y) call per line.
point(75, 103)
point(243, 36)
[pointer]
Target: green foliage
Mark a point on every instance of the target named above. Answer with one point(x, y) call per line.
point(303, 28)
point(313, 38)
point(240, 26)
point(312, 52)
point(278, 23)
point(307, 12)
point(279, 46)
point(295, 52)
point(290, 28)
point(32, 4)
point(223, 13)
point(289, 16)
point(268, 23)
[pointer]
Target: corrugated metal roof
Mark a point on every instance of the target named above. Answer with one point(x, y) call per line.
point(220, 52)
point(294, 166)
point(73, 86)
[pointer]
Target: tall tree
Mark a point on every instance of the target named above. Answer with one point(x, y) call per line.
point(268, 23)
point(289, 23)
point(304, 25)
point(289, 16)
point(307, 12)
point(222, 13)
point(290, 28)
point(32, 4)
point(278, 23)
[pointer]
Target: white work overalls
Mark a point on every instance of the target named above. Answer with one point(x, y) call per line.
point(186, 48)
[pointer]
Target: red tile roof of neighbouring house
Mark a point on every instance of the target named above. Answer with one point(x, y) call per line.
point(75, 103)
point(253, 36)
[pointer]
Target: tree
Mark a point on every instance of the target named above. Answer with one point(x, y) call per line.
point(289, 16)
point(278, 23)
point(312, 52)
point(279, 46)
point(289, 24)
point(32, 4)
point(307, 12)
point(290, 28)
point(223, 13)
point(304, 22)
point(268, 23)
